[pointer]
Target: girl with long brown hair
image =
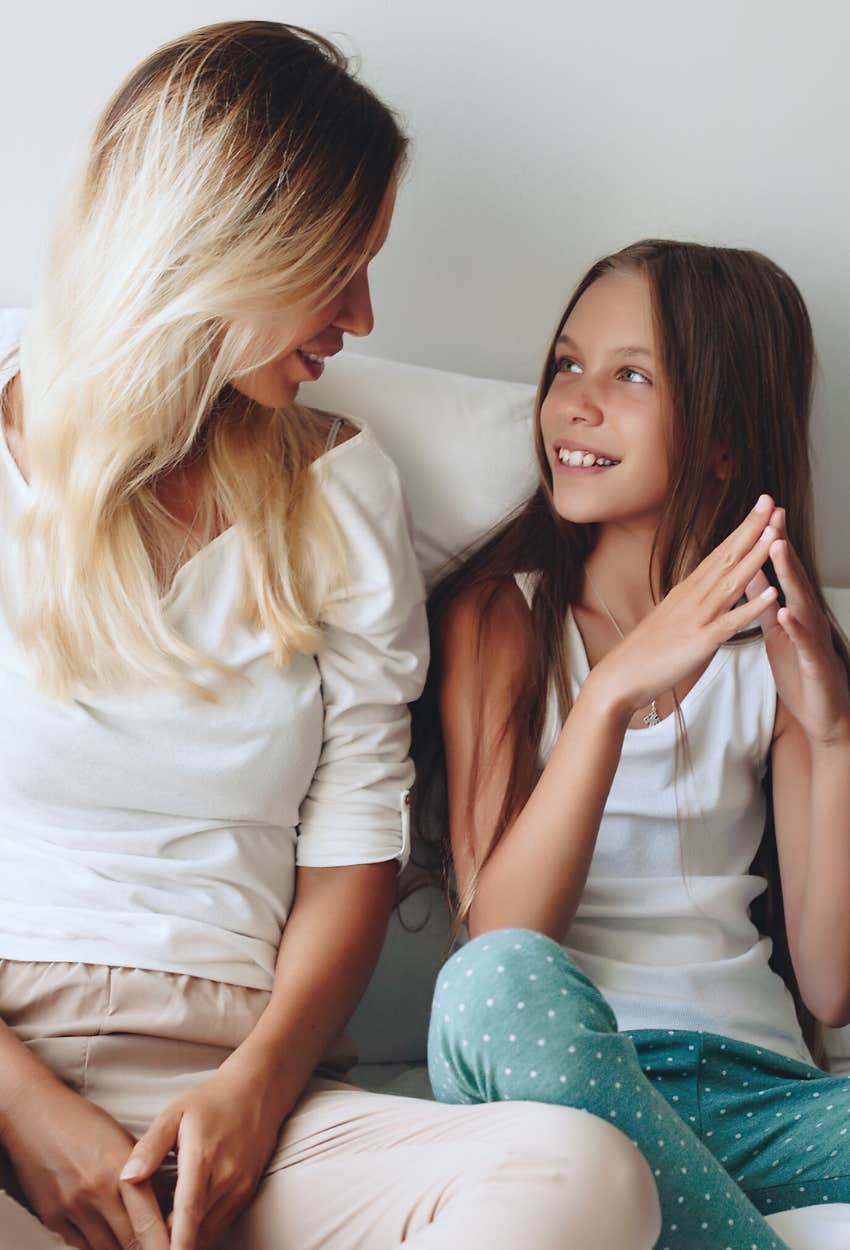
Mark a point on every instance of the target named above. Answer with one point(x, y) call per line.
point(211, 624)
point(641, 688)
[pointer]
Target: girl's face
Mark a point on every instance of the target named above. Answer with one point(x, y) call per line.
point(308, 338)
point(605, 404)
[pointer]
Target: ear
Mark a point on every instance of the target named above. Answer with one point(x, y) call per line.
point(721, 465)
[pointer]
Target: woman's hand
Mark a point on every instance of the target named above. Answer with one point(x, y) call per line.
point(699, 614)
point(224, 1133)
point(809, 676)
point(67, 1154)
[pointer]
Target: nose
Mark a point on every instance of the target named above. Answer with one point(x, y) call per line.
point(355, 314)
point(583, 406)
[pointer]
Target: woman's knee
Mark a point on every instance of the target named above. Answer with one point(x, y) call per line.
point(569, 1178)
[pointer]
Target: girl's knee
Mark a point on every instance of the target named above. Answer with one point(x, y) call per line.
point(510, 990)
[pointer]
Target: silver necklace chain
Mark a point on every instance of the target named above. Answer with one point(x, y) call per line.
point(652, 717)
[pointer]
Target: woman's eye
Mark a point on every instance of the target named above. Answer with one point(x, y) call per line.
point(634, 375)
point(565, 365)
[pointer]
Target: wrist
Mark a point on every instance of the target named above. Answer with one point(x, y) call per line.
point(25, 1082)
point(261, 1068)
point(605, 696)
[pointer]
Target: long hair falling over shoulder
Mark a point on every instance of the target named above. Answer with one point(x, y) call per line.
point(237, 175)
point(737, 356)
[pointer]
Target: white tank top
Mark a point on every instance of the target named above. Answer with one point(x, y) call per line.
point(663, 926)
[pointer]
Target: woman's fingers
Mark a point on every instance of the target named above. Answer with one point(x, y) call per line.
point(152, 1147)
point(146, 1220)
point(190, 1196)
point(72, 1236)
point(95, 1231)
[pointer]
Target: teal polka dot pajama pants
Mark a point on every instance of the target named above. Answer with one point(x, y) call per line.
point(730, 1131)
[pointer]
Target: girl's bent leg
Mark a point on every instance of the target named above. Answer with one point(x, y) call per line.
point(358, 1171)
point(515, 1019)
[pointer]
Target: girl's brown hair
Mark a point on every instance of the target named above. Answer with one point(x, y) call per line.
point(737, 358)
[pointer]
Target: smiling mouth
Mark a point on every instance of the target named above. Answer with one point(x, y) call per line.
point(313, 362)
point(578, 459)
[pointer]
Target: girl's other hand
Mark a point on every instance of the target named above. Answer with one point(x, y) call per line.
point(224, 1133)
point(67, 1154)
point(809, 676)
point(681, 634)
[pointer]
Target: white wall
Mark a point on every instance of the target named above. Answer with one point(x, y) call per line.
point(544, 134)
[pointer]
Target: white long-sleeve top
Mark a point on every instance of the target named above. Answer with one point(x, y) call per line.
point(151, 830)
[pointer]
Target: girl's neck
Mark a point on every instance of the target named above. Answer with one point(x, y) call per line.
point(619, 569)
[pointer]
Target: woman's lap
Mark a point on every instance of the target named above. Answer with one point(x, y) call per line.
point(351, 1168)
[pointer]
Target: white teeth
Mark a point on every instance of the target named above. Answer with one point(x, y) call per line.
point(583, 459)
point(312, 356)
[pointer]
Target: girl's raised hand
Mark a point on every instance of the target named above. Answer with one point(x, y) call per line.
point(809, 676)
point(682, 633)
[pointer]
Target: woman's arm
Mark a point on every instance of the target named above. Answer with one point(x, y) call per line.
point(66, 1153)
point(352, 834)
point(227, 1128)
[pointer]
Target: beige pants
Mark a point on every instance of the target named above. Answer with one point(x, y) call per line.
point(352, 1170)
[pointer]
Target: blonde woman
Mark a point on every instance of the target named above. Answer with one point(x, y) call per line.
point(211, 623)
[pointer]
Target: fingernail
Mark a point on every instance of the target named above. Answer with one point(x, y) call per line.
point(767, 594)
point(763, 504)
point(768, 534)
point(132, 1169)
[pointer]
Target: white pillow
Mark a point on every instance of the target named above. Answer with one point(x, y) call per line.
point(463, 445)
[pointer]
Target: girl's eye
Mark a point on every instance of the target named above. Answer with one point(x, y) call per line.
point(634, 375)
point(565, 365)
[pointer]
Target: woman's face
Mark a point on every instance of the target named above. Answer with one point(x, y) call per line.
point(605, 404)
point(308, 339)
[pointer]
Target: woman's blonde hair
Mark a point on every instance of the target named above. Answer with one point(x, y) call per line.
point(238, 175)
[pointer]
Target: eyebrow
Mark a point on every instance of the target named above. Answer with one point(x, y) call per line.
point(566, 341)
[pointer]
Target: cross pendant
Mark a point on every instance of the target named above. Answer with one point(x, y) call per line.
point(652, 717)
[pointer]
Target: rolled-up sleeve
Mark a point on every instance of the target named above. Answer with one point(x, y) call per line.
point(372, 663)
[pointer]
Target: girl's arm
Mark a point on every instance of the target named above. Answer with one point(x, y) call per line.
point(811, 803)
point(536, 874)
point(226, 1129)
point(811, 786)
point(537, 871)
